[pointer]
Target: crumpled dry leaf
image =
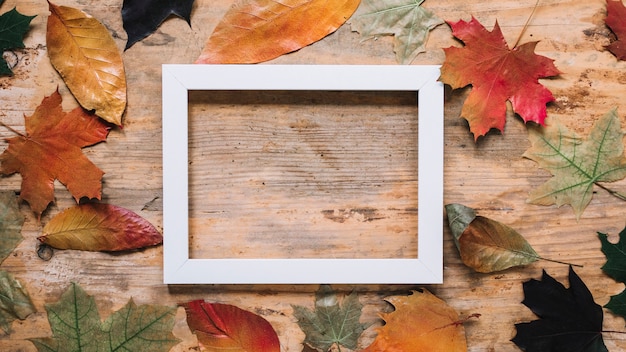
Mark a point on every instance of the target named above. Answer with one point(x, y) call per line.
point(84, 53)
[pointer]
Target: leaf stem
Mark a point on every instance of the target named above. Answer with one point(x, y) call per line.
point(612, 192)
point(612, 332)
point(12, 129)
point(560, 262)
point(526, 24)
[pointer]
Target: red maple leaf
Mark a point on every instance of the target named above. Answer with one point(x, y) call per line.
point(51, 150)
point(497, 74)
point(615, 14)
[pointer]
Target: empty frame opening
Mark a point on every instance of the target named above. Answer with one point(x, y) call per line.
point(303, 174)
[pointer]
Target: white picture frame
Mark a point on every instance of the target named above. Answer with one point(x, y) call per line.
point(179, 268)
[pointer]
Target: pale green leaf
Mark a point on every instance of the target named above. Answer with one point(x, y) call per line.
point(15, 302)
point(577, 164)
point(331, 323)
point(406, 20)
point(76, 326)
point(141, 328)
point(11, 221)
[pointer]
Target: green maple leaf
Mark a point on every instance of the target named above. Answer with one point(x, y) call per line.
point(13, 26)
point(76, 326)
point(331, 323)
point(577, 164)
point(15, 302)
point(406, 20)
point(11, 221)
point(615, 267)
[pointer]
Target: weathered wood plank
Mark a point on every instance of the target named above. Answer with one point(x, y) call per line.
point(303, 174)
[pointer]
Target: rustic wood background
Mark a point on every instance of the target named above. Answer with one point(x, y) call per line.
point(490, 175)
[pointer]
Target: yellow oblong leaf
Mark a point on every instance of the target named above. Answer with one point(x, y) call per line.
point(254, 31)
point(99, 227)
point(84, 53)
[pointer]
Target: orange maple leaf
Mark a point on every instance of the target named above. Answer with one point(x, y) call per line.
point(497, 74)
point(421, 322)
point(51, 150)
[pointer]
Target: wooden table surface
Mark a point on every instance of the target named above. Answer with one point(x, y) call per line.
point(490, 175)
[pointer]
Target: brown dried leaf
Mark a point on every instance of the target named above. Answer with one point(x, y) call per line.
point(88, 60)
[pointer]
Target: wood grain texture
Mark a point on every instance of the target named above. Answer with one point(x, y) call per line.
point(489, 176)
point(303, 174)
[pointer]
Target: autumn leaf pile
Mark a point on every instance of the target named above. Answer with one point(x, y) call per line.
point(85, 55)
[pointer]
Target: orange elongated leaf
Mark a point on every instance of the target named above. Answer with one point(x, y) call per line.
point(221, 327)
point(421, 322)
point(259, 30)
point(84, 53)
point(99, 227)
point(51, 149)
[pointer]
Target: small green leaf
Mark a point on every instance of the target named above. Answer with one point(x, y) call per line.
point(406, 20)
point(577, 164)
point(617, 304)
point(13, 26)
point(14, 301)
point(615, 267)
point(76, 326)
point(11, 221)
point(331, 323)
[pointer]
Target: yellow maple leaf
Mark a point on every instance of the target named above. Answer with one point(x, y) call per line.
point(420, 322)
